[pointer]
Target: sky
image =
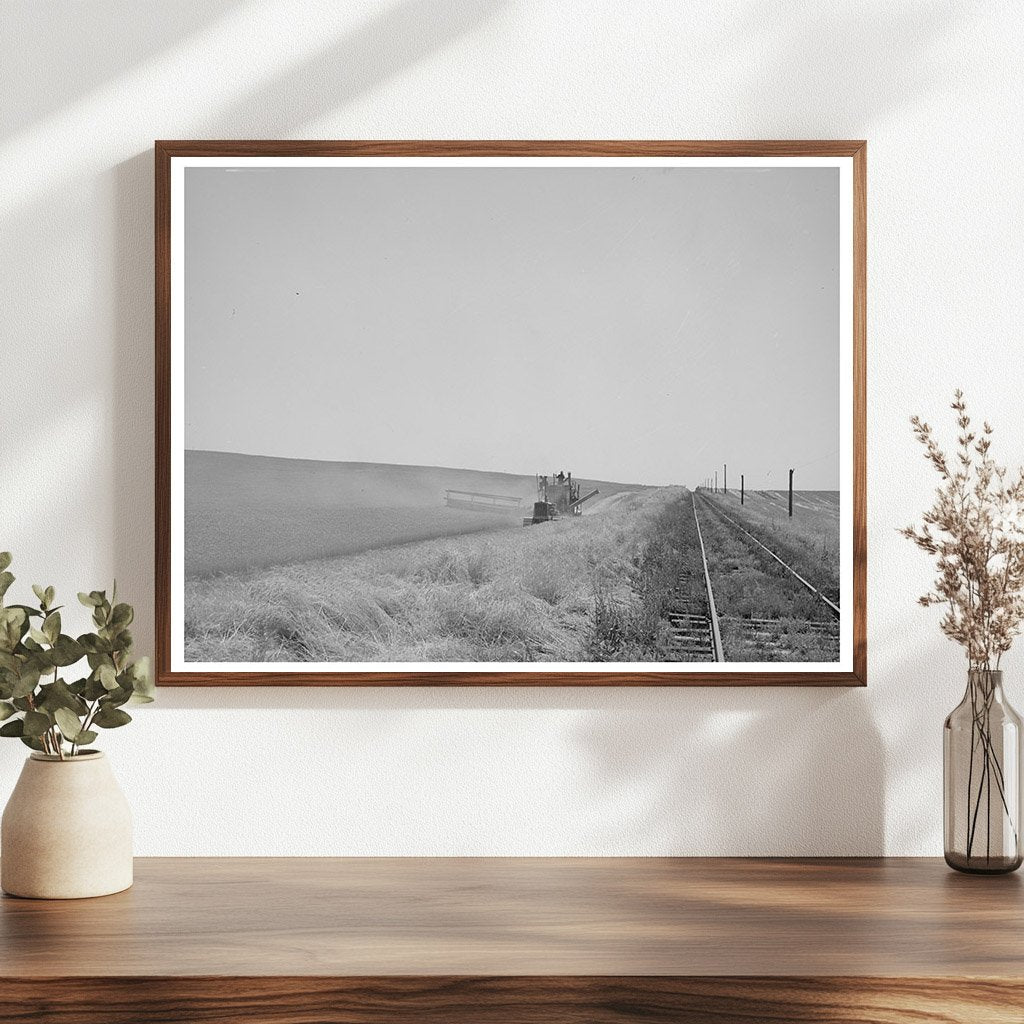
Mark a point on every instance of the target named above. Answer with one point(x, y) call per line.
point(644, 325)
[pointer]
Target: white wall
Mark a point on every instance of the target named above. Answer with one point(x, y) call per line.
point(936, 87)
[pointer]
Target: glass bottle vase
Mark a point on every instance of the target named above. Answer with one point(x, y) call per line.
point(981, 769)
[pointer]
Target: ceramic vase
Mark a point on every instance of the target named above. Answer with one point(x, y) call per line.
point(66, 831)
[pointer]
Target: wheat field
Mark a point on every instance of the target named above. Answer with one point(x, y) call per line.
point(508, 595)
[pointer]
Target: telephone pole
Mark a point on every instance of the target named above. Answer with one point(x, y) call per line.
point(791, 494)
point(716, 481)
point(725, 478)
point(741, 488)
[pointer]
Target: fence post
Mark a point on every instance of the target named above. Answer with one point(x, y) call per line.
point(791, 494)
point(725, 478)
point(741, 488)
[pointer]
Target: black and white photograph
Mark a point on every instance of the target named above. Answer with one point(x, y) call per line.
point(573, 414)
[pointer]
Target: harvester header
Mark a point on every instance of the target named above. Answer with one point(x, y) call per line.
point(476, 501)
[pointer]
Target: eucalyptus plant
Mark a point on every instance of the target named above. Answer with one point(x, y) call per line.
point(37, 704)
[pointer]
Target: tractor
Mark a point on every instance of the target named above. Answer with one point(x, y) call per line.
point(557, 496)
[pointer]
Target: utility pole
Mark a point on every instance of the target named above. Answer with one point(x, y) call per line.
point(741, 488)
point(725, 478)
point(716, 481)
point(791, 494)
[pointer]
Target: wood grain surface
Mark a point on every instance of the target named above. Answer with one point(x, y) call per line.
point(166, 150)
point(511, 1000)
point(504, 916)
point(521, 939)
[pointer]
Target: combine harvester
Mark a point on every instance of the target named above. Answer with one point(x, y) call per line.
point(557, 497)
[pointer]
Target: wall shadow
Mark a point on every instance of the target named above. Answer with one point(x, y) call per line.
point(376, 50)
point(739, 772)
point(697, 771)
point(53, 38)
point(755, 770)
point(836, 56)
point(394, 39)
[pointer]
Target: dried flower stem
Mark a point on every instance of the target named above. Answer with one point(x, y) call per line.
point(975, 531)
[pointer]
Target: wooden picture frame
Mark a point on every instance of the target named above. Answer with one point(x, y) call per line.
point(847, 157)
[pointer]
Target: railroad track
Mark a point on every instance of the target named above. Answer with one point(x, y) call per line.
point(775, 639)
point(831, 605)
point(695, 634)
point(771, 638)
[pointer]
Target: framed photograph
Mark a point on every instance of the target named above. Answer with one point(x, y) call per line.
point(493, 413)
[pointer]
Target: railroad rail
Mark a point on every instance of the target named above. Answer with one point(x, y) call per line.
point(759, 638)
point(831, 605)
point(695, 634)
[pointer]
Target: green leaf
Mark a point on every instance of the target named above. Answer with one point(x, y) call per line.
point(6, 710)
point(140, 669)
point(50, 595)
point(31, 741)
point(5, 559)
point(122, 616)
point(89, 643)
point(86, 736)
point(69, 723)
point(13, 728)
point(12, 627)
point(66, 651)
point(38, 635)
point(51, 626)
point(142, 682)
point(97, 647)
point(28, 680)
point(29, 611)
point(36, 723)
point(107, 676)
point(40, 592)
point(115, 698)
point(94, 689)
point(108, 718)
point(89, 600)
point(6, 579)
point(59, 695)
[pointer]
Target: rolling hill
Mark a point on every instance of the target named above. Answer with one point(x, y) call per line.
point(247, 511)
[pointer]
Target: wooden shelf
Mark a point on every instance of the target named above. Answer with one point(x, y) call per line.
point(533, 940)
